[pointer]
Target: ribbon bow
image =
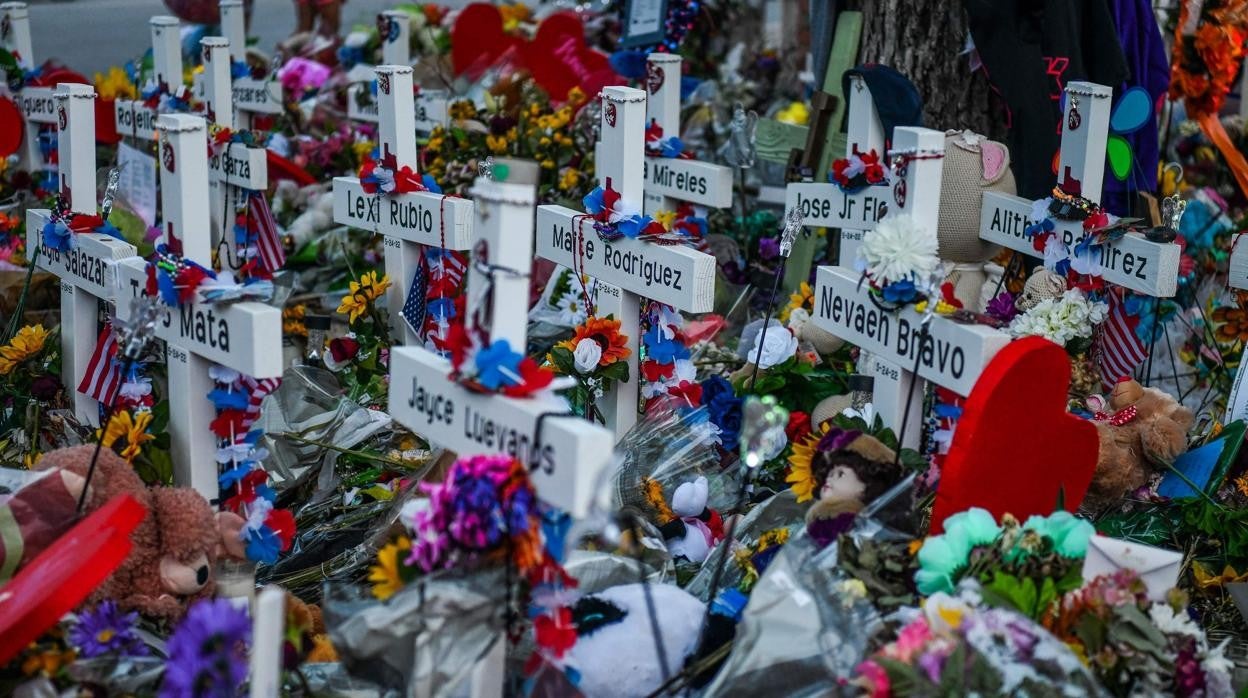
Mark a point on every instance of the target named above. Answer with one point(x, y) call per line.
point(1119, 418)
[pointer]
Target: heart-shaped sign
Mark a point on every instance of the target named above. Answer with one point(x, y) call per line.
point(1016, 449)
point(478, 39)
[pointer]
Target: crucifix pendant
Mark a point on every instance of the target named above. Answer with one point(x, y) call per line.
point(1074, 119)
point(900, 166)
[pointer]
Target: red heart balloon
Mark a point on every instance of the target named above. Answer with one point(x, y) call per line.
point(478, 39)
point(1016, 448)
point(12, 127)
point(559, 59)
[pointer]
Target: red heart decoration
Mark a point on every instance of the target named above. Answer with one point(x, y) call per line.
point(1016, 448)
point(559, 59)
point(478, 39)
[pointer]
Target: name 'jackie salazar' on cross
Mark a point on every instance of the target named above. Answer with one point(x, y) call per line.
point(405, 214)
point(440, 409)
point(196, 323)
point(626, 261)
point(947, 358)
point(665, 175)
point(78, 262)
point(1014, 224)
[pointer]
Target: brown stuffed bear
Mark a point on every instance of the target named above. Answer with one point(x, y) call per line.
point(1134, 447)
point(175, 546)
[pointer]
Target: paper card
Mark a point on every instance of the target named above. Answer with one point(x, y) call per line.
point(258, 96)
point(241, 336)
point(87, 265)
point(826, 206)
point(674, 274)
point(38, 104)
point(1132, 262)
point(1205, 466)
point(423, 217)
point(137, 183)
point(240, 166)
point(567, 463)
point(644, 22)
point(134, 119)
point(698, 182)
point(954, 355)
point(1157, 568)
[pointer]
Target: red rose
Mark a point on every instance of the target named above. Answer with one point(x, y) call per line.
point(343, 349)
point(799, 426)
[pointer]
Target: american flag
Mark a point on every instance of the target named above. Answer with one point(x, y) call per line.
point(414, 305)
point(102, 379)
point(1119, 350)
point(268, 240)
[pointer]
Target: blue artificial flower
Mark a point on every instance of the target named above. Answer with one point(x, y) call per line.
point(900, 291)
point(555, 527)
point(672, 147)
point(235, 475)
point(109, 229)
point(441, 309)
point(350, 56)
point(239, 69)
point(724, 409)
point(594, 201)
point(58, 236)
point(224, 399)
point(632, 227)
point(498, 365)
point(208, 651)
point(105, 630)
point(1044, 226)
point(629, 63)
point(168, 292)
point(263, 545)
point(663, 349)
point(430, 184)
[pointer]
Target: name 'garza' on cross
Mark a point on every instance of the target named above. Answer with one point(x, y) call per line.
point(566, 456)
point(409, 221)
point(679, 276)
point(86, 270)
point(240, 336)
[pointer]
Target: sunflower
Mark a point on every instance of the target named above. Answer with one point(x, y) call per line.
point(605, 331)
point(28, 342)
point(385, 574)
point(803, 297)
point(363, 292)
point(131, 428)
point(801, 476)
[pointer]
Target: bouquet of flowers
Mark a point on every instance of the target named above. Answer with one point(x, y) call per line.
point(1068, 320)
point(595, 357)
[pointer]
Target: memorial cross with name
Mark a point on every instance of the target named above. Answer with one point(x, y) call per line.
point(1237, 279)
point(235, 169)
point(36, 103)
point(233, 25)
point(946, 352)
point(408, 221)
point(679, 276)
point(251, 95)
point(85, 270)
point(241, 336)
point(394, 28)
point(565, 455)
point(134, 118)
point(1131, 261)
point(669, 181)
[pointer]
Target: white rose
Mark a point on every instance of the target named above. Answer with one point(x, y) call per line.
point(779, 345)
point(587, 354)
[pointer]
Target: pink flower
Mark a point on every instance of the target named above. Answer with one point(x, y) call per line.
point(874, 679)
point(910, 641)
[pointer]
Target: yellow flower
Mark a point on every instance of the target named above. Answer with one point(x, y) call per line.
point(569, 178)
point(361, 149)
point(385, 574)
point(363, 292)
point(115, 84)
point(131, 428)
point(800, 474)
point(576, 96)
point(796, 114)
point(666, 218)
point(28, 343)
point(463, 109)
point(513, 15)
point(804, 297)
point(496, 144)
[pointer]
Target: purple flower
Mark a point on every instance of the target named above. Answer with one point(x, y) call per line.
point(208, 652)
point(1002, 307)
point(106, 630)
point(769, 248)
point(932, 663)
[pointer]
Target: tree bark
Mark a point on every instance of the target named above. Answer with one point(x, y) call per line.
point(924, 40)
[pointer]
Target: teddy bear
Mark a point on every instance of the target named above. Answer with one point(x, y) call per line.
point(175, 547)
point(1145, 428)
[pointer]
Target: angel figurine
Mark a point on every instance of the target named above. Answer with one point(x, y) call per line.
point(739, 150)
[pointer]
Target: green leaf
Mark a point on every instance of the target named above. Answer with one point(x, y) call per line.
point(1006, 590)
point(617, 371)
point(564, 361)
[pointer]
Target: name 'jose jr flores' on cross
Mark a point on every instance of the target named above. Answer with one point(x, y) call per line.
point(625, 261)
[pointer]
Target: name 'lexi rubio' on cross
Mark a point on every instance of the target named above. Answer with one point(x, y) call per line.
point(440, 409)
point(626, 261)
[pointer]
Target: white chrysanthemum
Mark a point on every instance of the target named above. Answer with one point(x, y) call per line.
point(899, 248)
point(1060, 320)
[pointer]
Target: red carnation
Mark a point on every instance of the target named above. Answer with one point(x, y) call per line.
point(799, 426)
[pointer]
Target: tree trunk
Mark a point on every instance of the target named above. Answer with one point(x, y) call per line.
point(924, 40)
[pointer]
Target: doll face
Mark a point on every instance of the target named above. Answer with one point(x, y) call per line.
point(842, 483)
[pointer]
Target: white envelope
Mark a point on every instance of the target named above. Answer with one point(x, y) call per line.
point(1158, 568)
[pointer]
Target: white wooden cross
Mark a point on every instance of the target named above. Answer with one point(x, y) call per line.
point(407, 221)
point(825, 205)
point(134, 118)
point(670, 181)
point(432, 106)
point(242, 336)
point(233, 22)
point(1132, 261)
point(85, 271)
point(36, 103)
point(251, 96)
point(568, 456)
point(234, 169)
point(953, 355)
point(679, 276)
